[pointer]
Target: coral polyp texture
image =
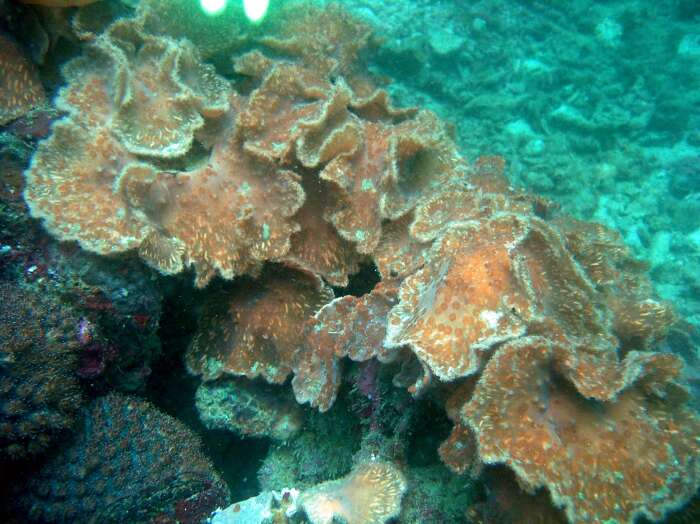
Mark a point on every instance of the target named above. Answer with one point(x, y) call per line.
point(543, 332)
point(345, 327)
point(39, 393)
point(20, 87)
point(601, 461)
point(370, 494)
point(248, 408)
point(128, 463)
point(256, 331)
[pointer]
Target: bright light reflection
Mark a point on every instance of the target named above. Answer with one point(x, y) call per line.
point(213, 7)
point(255, 9)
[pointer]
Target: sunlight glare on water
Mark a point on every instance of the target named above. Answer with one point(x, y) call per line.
point(255, 9)
point(213, 7)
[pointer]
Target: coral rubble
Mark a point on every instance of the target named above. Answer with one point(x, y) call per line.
point(269, 506)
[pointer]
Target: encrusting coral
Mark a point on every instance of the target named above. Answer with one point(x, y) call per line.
point(39, 393)
point(248, 408)
point(542, 329)
point(129, 462)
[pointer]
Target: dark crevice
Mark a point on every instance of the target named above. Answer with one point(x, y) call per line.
point(172, 389)
point(361, 282)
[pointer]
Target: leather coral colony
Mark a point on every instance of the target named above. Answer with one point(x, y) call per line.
point(298, 171)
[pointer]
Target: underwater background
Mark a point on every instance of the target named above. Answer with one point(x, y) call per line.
point(362, 261)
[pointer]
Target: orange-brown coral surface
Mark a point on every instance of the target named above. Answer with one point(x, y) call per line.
point(370, 494)
point(601, 461)
point(20, 87)
point(256, 331)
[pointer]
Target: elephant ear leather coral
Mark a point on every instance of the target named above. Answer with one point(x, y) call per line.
point(465, 300)
point(378, 160)
point(347, 326)
point(639, 323)
point(256, 331)
point(104, 86)
point(601, 461)
point(111, 89)
point(391, 164)
point(227, 216)
point(298, 171)
point(317, 247)
point(145, 98)
point(287, 96)
point(370, 494)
